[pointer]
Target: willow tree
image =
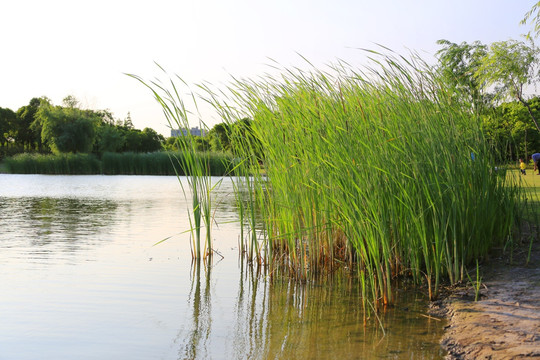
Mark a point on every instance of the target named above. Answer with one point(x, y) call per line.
point(534, 16)
point(68, 128)
point(509, 66)
point(459, 64)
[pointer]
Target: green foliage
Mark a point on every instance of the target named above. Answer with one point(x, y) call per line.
point(505, 68)
point(510, 130)
point(147, 140)
point(68, 129)
point(40, 126)
point(150, 140)
point(67, 164)
point(170, 144)
point(109, 139)
point(7, 120)
point(459, 64)
point(28, 134)
point(157, 163)
point(509, 65)
point(219, 137)
point(371, 169)
point(534, 15)
point(201, 143)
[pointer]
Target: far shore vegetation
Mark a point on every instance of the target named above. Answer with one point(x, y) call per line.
point(40, 138)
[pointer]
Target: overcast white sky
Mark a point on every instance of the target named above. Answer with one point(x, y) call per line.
point(56, 48)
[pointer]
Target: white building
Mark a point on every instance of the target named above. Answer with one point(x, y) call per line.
point(195, 131)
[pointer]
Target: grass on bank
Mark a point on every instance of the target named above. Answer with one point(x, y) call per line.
point(158, 163)
point(530, 185)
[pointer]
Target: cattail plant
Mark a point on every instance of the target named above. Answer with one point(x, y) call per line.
point(193, 164)
point(371, 169)
point(380, 170)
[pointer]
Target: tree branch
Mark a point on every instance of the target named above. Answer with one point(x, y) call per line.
point(530, 111)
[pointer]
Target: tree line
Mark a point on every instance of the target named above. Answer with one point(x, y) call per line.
point(489, 80)
point(43, 127)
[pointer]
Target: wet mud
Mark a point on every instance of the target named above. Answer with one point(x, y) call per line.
point(505, 321)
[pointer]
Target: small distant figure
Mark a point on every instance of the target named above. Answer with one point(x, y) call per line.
point(522, 167)
point(536, 160)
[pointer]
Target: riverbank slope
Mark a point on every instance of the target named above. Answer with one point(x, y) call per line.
point(505, 322)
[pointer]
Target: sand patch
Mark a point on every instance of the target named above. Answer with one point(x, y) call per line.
point(505, 322)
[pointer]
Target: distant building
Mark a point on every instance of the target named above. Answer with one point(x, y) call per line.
point(195, 131)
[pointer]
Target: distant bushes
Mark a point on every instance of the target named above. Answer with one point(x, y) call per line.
point(129, 163)
point(53, 164)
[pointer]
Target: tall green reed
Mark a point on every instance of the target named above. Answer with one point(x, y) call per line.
point(128, 163)
point(195, 165)
point(378, 168)
point(69, 164)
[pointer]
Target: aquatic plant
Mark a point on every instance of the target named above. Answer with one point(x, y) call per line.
point(195, 165)
point(379, 169)
point(69, 164)
point(158, 163)
point(128, 163)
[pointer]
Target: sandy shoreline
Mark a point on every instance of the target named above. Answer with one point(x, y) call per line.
point(505, 322)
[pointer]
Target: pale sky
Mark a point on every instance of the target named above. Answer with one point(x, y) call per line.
point(56, 48)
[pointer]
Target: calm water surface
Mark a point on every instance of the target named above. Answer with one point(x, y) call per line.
point(81, 279)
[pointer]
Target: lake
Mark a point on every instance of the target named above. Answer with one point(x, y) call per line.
point(82, 279)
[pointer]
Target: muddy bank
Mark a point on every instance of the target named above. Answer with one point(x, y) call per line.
point(505, 322)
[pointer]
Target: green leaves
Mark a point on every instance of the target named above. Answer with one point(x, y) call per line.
point(510, 65)
point(68, 129)
point(459, 64)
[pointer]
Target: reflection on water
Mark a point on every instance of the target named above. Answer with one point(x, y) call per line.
point(288, 320)
point(57, 228)
point(47, 218)
point(80, 278)
point(194, 345)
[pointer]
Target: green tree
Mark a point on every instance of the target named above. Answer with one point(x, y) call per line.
point(68, 129)
point(459, 64)
point(106, 117)
point(28, 135)
point(7, 130)
point(171, 144)
point(534, 15)
point(150, 140)
point(128, 123)
point(201, 143)
point(509, 66)
point(219, 137)
point(71, 101)
point(141, 141)
point(109, 139)
point(509, 128)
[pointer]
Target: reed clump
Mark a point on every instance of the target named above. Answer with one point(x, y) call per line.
point(159, 163)
point(378, 169)
point(381, 170)
point(128, 163)
point(68, 164)
point(188, 161)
